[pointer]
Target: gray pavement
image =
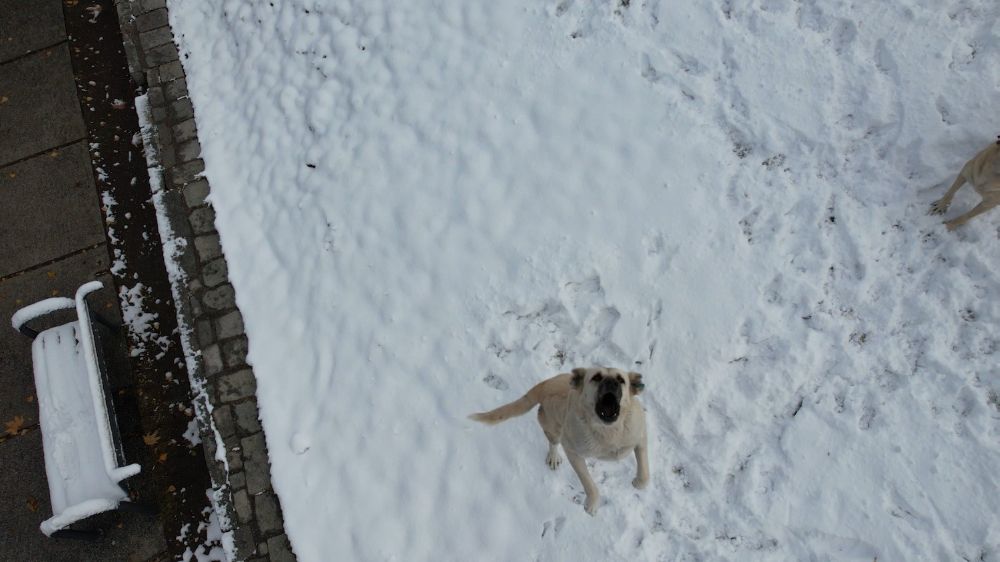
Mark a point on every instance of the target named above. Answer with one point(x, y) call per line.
point(52, 240)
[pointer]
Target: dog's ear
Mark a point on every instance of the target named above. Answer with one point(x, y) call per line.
point(577, 380)
point(635, 383)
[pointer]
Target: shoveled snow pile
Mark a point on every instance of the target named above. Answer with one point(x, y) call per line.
point(428, 206)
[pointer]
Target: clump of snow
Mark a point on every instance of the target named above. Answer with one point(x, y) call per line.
point(217, 543)
point(429, 206)
point(192, 433)
point(143, 325)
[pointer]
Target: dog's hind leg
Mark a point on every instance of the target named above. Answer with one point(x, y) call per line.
point(982, 207)
point(553, 458)
point(941, 205)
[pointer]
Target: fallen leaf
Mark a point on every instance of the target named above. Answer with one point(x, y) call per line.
point(32, 504)
point(14, 426)
point(171, 488)
point(162, 459)
point(12, 175)
point(151, 438)
point(30, 399)
point(4, 99)
point(51, 274)
point(71, 3)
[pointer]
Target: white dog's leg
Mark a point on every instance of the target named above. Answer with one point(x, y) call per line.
point(641, 468)
point(580, 466)
point(941, 205)
point(553, 458)
point(982, 207)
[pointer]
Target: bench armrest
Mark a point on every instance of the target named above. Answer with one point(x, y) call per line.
point(20, 318)
point(96, 385)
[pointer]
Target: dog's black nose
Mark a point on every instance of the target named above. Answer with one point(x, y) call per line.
point(610, 386)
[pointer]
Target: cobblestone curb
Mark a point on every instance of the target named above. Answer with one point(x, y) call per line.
point(215, 342)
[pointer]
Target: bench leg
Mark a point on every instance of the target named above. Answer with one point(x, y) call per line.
point(77, 534)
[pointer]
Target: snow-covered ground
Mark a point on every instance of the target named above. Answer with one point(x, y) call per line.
point(430, 205)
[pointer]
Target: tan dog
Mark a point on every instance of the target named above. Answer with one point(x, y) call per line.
point(594, 414)
point(983, 172)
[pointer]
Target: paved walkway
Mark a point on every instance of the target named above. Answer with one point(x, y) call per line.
point(66, 151)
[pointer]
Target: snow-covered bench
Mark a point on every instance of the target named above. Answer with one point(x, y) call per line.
point(84, 460)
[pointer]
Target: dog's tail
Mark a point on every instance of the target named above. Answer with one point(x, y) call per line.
point(516, 408)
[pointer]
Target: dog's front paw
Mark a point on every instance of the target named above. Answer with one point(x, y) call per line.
point(640, 483)
point(939, 207)
point(591, 505)
point(553, 459)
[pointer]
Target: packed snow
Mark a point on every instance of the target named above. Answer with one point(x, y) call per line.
point(429, 206)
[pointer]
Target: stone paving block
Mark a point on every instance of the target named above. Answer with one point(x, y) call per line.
point(224, 422)
point(153, 76)
point(155, 96)
point(60, 184)
point(268, 513)
point(234, 352)
point(39, 95)
point(196, 192)
point(234, 457)
point(279, 549)
point(211, 358)
point(29, 25)
point(255, 460)
point(245, 414)
point(206, 334)
point(245, 542)
point(161, 55)
point(156, 37)
point(230, 325)
point(151, 20)
point(181, 110)
point(185, 131)
point(202, 220)
point(170, 71)
point(150, 5)
point(241, 502)
point(159, 114)
point(208, 247)
point(176, 90)
point(213, 274)
point(238, 480)
point(219, 299)
point(188, 172)
point(188, 151)
point(237, 386)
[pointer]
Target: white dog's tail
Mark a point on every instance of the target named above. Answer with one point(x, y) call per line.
point(516, 408)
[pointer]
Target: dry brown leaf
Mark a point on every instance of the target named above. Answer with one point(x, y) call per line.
point(172, 488)
point(32, 504)
point(4, 99)
point(151, 438)
point(30, 398)
point(162, 459)
point(14, 426)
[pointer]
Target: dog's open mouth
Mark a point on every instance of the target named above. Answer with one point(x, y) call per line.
point(608, 408)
